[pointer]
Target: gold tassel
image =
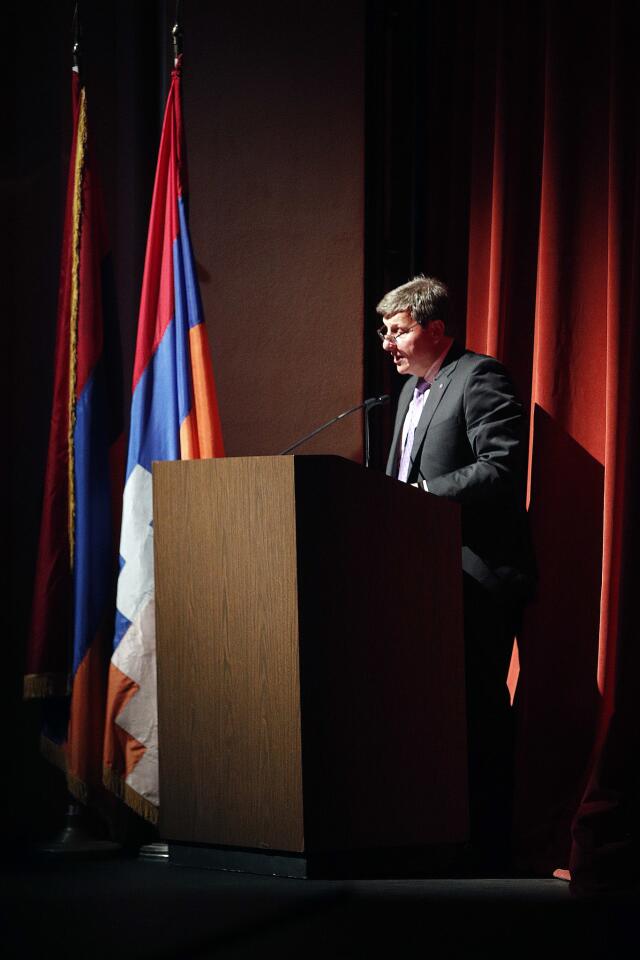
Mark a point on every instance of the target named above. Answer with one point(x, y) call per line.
point(40, 685)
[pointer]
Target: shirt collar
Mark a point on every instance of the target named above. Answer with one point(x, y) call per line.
point(434, 369)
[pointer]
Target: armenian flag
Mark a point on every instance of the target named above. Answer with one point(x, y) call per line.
point(174, 415)
point(74, 592)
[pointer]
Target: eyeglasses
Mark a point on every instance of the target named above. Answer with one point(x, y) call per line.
point(391, 338)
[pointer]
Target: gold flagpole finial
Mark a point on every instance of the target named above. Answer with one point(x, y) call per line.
point(176, 34)
point(75, 35)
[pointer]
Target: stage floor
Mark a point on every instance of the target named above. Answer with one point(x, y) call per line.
point(129, 908)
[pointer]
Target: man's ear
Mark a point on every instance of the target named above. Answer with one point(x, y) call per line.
point(436, 329)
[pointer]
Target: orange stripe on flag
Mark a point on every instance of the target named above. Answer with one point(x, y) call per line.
point(201, 432)
point(514, 671)
point(189, 438)
point(86, 717)
point(121, 751)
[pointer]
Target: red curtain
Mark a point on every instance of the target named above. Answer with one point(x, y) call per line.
point(553, 290)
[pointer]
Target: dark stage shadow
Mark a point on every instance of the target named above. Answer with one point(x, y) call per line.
point(557, 698)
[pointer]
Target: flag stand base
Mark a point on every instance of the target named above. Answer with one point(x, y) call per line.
point(76, 840)
point(155, 852)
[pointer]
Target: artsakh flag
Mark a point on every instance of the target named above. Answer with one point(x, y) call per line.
point(174, 416)
point(74, 592)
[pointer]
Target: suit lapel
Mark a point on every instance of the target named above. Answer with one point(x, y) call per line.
point(403, 406)
point(436, 393)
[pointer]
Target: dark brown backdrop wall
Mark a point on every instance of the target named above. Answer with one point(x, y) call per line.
point(274, 104)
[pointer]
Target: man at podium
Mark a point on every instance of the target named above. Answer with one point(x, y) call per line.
point(459, 434)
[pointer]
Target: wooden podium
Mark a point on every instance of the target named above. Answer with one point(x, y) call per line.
point(310, 663)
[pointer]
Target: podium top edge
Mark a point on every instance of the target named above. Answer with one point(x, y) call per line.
point(329, 457)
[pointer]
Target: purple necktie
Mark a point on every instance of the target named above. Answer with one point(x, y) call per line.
point(416, 407)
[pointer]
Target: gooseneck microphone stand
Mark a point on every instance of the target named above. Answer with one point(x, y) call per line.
point(366, 406)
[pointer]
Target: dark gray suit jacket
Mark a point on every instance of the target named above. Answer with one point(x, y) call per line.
point(468, 446)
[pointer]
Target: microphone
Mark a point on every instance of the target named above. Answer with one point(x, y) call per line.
point(367, 405)
point(375, 401)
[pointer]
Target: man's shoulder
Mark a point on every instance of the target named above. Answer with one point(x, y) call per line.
point(477, 372)
point(459, 361)
point(473, 357)
point(467, 361)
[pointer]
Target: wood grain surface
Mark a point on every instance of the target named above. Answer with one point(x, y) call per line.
point(228, 652)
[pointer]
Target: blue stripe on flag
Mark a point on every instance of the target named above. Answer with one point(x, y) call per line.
point(93, 531)
point(181, 319)
point(122, 624)
point(155, 408)
point(185, 279)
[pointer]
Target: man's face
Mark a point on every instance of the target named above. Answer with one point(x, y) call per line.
point(417, 347)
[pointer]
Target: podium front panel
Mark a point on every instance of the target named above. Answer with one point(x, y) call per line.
point(227, 634)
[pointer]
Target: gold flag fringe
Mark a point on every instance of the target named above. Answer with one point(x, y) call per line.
point(40, 685)
point(56, 755)
point(81, 144)
point(78, 789)
point(140, 805)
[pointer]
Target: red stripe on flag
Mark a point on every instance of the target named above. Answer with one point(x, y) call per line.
point(157, 298)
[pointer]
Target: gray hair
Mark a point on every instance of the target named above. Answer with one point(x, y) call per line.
point(424, 297)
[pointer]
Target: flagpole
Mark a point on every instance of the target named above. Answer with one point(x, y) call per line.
point(75, 28)
point(176, 34)
point(158, 850)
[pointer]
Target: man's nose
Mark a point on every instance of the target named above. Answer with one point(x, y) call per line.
point(388, 345)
